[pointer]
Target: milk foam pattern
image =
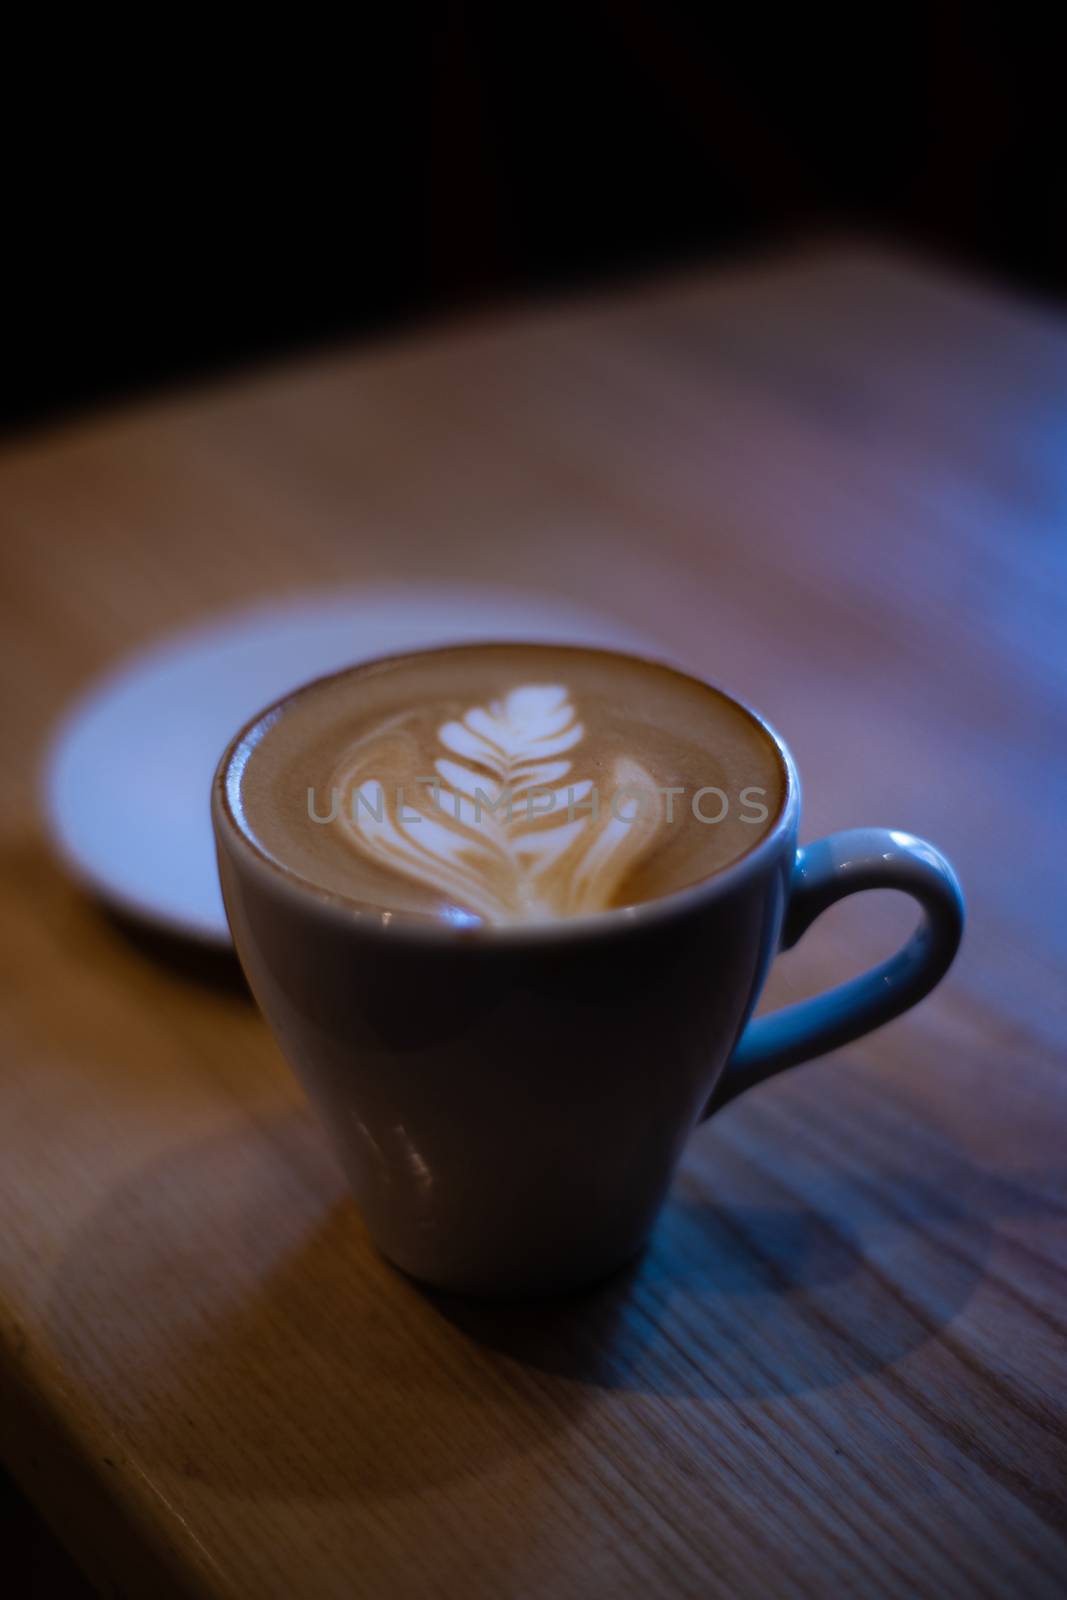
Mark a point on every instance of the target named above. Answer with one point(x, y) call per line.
point(515, 822)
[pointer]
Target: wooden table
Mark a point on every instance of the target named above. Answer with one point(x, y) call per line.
point(835, 481)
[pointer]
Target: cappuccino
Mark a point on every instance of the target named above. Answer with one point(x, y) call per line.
point(505, 783)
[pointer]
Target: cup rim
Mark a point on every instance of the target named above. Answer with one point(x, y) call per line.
point(359, 916)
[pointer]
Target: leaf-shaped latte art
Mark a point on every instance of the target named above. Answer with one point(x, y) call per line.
point(506, 825)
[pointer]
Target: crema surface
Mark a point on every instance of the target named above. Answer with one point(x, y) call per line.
point(506, 784)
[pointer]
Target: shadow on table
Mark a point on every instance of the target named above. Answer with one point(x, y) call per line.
point(748, 1301)
point(250, 1337)
point(84, 922)
point(225, 1305)
point(212, 966)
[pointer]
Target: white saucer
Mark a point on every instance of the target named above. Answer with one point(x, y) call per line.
point(129, 771)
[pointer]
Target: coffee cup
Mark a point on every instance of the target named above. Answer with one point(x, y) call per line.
point(510, 1095)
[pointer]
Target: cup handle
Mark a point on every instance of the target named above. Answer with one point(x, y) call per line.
point(824, 872)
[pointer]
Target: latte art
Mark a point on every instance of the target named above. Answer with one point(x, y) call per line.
point(504, 785)
point(510, 825)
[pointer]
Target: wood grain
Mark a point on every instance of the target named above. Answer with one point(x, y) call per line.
point(835, 482)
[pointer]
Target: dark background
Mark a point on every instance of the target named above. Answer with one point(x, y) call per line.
point(181, 201)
